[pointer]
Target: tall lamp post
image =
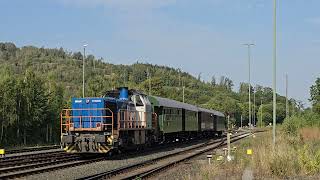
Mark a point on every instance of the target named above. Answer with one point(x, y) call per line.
point(249, 64)
point(274, 71)
point(83, 64)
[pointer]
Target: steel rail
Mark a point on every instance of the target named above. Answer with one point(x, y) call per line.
point(31, 149)
point(160, 168)
point(132, 167)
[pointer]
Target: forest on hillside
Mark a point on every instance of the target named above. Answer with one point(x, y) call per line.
point(36, 83)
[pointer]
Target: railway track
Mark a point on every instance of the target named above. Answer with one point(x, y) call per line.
point(33, 159)
point(31, 149)
point(161, 167)
point(25, 165)
point(20, 166)
point(147, 168)
point(44, 167)
point(27, 157)
point(16, 166)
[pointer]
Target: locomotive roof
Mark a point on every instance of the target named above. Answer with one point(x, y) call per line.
point(217, 113)
point(175, 104)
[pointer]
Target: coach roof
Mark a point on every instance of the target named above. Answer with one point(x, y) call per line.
point(175, 104)
point(217, 113)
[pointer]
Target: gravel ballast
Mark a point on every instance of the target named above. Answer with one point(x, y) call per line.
point(103, 166)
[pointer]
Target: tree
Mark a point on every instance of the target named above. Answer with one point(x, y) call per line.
point(77, 56)
point(267, 111)
point(7, 101)
point(226, 83)
point(213, 81)
point(56, 102)
point(35, 101)
point(315, 95)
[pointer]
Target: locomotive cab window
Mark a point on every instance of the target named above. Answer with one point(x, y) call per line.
point(138, 101)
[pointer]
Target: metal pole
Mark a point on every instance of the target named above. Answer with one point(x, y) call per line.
point(274, 71)
point(287, 102)
point(249, 64)
point(254, 106)
point(149, 76)
point(94, 64)
point(83, 64)
point(179, 77)
point(249, 89)
point(228, 139)
point(183, 94)
point(261, 114)
point(241, 122)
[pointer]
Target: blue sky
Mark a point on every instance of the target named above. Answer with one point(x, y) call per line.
point(198, 36)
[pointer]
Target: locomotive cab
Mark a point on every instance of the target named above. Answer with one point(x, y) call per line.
point(89, 126)
point(143, 106)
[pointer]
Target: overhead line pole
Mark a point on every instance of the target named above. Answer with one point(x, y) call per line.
point(287, 101)
point(83, 64)
point(261, 120)
point(149, 77)
point(274, 71)
point(183, 94)
point(254, 106)
point(249, 81)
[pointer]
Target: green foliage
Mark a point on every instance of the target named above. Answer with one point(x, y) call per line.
point(25, 107)
point(292, 124)
point(284, 164)
point(315, 96)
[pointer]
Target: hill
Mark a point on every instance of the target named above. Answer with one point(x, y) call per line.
point(36, 83)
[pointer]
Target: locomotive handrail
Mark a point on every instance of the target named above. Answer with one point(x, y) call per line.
point(65, 115)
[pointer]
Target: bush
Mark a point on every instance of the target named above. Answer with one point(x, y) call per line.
point(309, 158)
point(283, 165)
point(292, 124)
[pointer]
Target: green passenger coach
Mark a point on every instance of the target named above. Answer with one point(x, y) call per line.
point(177, 120)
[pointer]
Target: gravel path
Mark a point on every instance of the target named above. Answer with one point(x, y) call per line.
point(102, 166)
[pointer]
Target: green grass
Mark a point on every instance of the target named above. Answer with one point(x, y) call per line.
point(292, 157)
